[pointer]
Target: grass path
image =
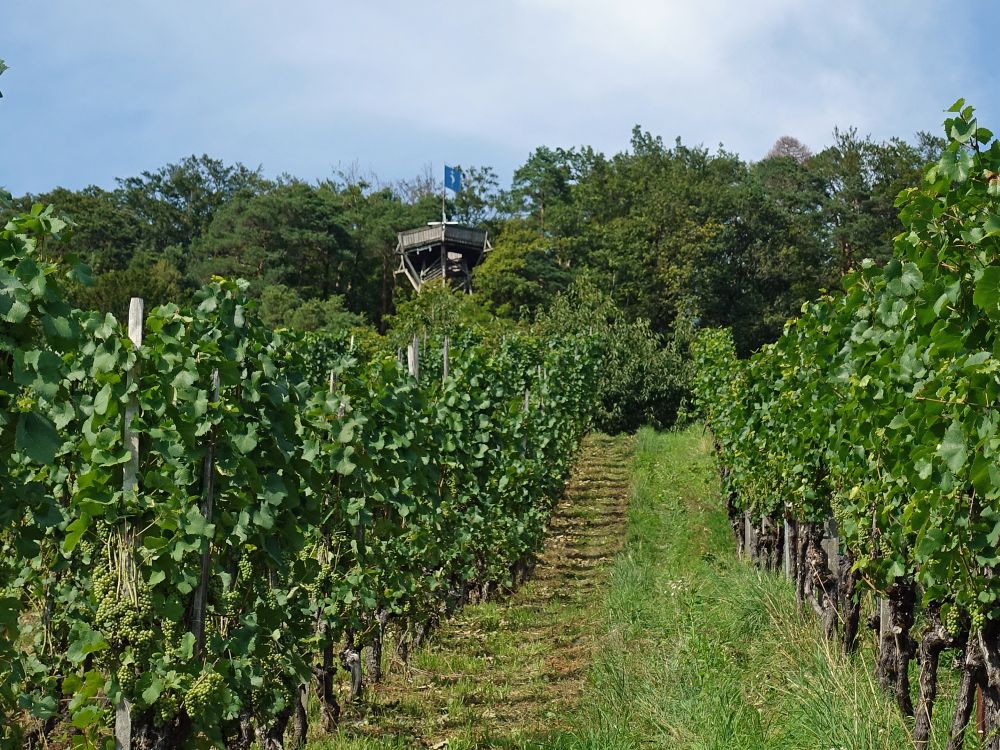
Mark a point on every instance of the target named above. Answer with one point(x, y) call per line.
point(509, 672)
point(645, 634)
point(702, 651)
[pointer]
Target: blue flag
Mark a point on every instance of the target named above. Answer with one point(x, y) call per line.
point(452, 178)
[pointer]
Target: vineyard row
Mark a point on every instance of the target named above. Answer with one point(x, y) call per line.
point(879, 408)
point(203, 520)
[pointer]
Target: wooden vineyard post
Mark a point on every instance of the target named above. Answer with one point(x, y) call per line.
point(747, 536)
point(527, 406)
point(207, 499)
point(329, 708)
point(130, 482)
point(787, 546)
point(131, 472)
point(413, 358)
point(444, 358)
point(980, 714)
point(831, 543)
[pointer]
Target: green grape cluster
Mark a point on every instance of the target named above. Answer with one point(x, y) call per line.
point(85, 548)
point(206, 692)
point(976, 619)
point(214, 589)
point(230, 600)
point(167, 706)
point(124, 622)
point(952, 620)
point(125, 674)
point(864, 537)
point(883, 547)
point(321, 583)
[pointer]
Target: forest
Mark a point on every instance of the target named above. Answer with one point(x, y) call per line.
point(672, 234)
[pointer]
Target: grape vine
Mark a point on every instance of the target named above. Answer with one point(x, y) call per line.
point(880, 408)
point(294, 497)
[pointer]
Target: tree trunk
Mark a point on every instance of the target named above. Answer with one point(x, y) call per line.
point(901, 607)
point(989, 647)
point(300, 719)
point(801, 568)
point(272, 737)
point(885, 663)
point(769, 544)
point(173, 735)
point(736, 521)
point(375, 654)
point(850, 602)
point(820, 584)
point(935, 639)
point(793, 550)
point(423, 631)
point(350, 660)
point(972, 675)
point(329, 709)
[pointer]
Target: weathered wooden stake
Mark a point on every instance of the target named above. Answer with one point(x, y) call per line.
point(413, 358)
point(333, 387)
point(831, 543)
point(445, 357)
point(786, 544)
point(130, 482)
point(980, 713)
point(131, 472)
point(200, 604)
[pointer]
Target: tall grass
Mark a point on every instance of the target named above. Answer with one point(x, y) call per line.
point(702, 651)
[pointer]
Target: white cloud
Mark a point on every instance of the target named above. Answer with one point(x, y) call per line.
point(304, 85)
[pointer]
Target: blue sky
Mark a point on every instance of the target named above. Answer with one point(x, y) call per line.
point(108, 88)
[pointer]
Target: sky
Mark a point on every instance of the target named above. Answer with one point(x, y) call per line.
point(110, 88)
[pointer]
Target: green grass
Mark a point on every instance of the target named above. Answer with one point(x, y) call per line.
point(702, 651)
point(686, 646)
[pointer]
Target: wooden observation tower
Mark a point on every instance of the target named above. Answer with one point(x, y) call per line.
point(441, 250)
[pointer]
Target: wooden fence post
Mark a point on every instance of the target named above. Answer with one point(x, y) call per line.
point(832, 546)
point(786, 543)
point(207, 500)
point(445, 357)
point(130, 482)
point(413, 358)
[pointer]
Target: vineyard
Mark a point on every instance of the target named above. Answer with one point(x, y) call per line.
point(859, 451)
point(202, 517)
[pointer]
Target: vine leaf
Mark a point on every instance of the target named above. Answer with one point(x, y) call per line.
point(987, 294)
point(36, 437)
point(952, 449)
